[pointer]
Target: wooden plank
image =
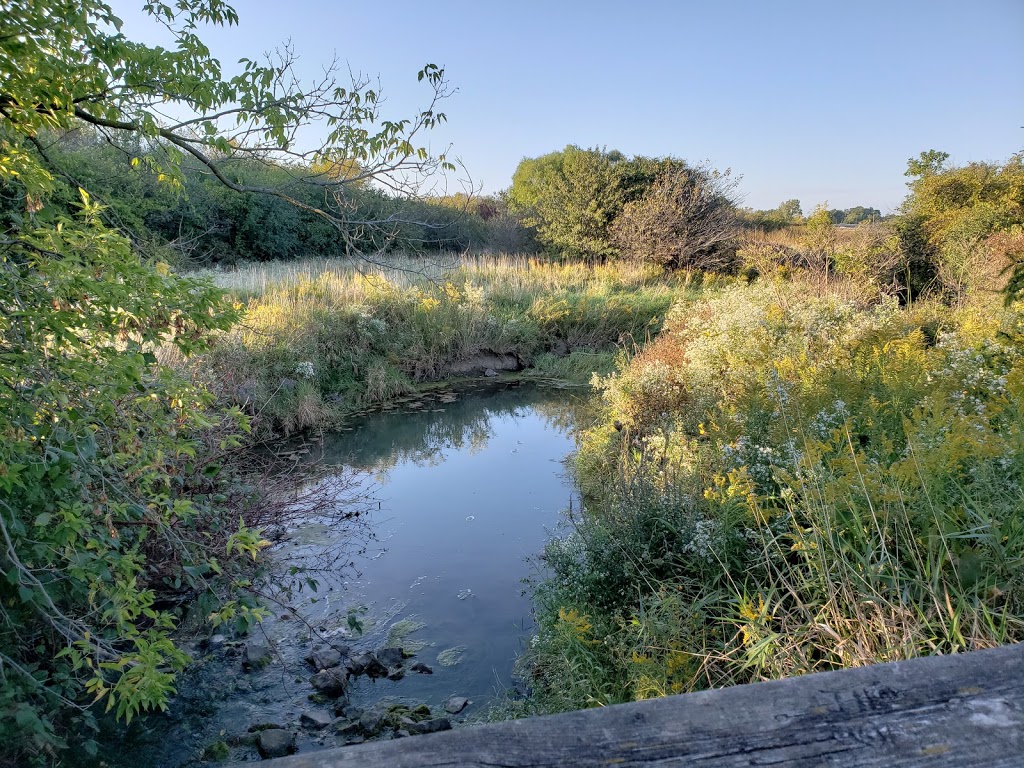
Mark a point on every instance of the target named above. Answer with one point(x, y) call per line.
point(939, 712)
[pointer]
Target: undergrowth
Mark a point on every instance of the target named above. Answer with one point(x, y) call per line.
point(329, 338)
point(790, 480)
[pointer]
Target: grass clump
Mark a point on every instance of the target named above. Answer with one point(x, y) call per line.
point(790, 480)
point(449, 657)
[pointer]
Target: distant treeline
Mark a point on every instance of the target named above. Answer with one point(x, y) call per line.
point(790, 212)
point(585, 203)
point(592, 204)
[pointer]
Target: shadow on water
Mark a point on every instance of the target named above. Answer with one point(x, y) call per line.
point(455, 491)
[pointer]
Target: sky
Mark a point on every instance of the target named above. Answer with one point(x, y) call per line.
point(819, 101)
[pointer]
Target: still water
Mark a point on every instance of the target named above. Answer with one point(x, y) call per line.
point(468, 491)
point(460, 492)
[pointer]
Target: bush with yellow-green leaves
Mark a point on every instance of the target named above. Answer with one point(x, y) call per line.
point(787, 482)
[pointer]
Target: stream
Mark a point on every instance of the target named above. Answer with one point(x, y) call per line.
point(458, 491)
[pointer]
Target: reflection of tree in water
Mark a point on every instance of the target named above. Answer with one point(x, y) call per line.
point(423, 434)
point(574, 409)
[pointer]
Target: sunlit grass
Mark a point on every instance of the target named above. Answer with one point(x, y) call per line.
point(792, 478)
point(322, 337)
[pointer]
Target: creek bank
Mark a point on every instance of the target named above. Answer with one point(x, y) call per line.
point(486, 362)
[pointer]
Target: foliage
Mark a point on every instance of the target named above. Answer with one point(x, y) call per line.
point(115, 500)
point(205, 222)
point(955, 211)
point(856, 215)
point(685, 220)
point(869, 255)
point(791, 479)
point(572, 197)
point(786, 214)
point(820, 239)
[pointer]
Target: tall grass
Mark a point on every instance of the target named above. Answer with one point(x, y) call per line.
point(791, 480)
point(323, 337)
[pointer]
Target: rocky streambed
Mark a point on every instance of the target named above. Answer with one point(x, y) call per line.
point(332, 719)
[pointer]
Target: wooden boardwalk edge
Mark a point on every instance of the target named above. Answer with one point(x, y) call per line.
point(963, 710)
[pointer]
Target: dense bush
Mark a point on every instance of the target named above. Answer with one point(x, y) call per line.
point(953, 211)
point(685, 220)
point(790, 480)
point(573, 197)
point(201, 221)
point(117, 504)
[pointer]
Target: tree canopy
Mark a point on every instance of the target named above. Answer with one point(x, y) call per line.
point(599, 204)
point(572, 197)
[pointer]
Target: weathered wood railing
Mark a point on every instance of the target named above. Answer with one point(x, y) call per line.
point(944, 711)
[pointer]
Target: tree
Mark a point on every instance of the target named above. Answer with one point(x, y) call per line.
point(686, 220)
point(786, 214)
point(572, 197)
point(928, 163)
point(820, 240)
point(957, 210)
point(858, 214)
point(790, 211)
point(112, 488)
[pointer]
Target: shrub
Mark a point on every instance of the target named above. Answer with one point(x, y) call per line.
point(799, 480)
point(685, 220)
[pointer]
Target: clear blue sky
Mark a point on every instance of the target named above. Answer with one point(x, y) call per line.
point(814, 100)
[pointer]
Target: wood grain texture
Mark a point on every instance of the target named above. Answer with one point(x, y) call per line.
point(939, 712)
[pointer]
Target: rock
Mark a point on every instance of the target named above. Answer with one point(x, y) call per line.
point(431, 726)
point(217, 752)
point(357, 664)
point(401, 733)
point(406, 721)
point(216, 642)
point(331, 682)
point(316, 719)
point(244, 740)
point(487, 362)
point(371, 722)
point(396, 673)
point(357, 739)
point(390, 657)
point(255, 655)
point(347, 711)
point(347, 729)
point(257, 727)
point(422, 668)
point(276, 742)
point(455, 704)
point(374, 668)
point(325, 658)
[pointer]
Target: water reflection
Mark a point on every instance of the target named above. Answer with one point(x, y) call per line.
point(422, 429)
